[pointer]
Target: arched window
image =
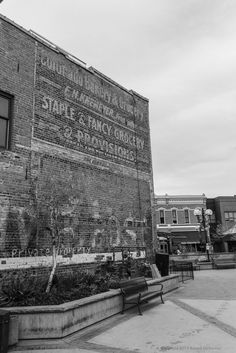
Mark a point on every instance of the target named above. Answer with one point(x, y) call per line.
point(174, 216)
point(162, 216)
point(186, 216)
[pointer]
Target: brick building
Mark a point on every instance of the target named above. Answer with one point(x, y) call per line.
point(67, 128)
point(223, 230)
point(177, 224)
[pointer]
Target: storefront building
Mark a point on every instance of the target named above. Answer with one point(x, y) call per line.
point(223, 225)
point(177, 227)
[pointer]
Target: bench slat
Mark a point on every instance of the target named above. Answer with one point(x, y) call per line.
point(134, 285)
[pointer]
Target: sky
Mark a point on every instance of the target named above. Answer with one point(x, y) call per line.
point(180, 54)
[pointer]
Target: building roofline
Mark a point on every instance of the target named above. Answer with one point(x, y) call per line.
point(131, 92)
point(167, 196)
point(225, 197)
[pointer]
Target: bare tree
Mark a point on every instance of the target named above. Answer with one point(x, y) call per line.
point(56, 197)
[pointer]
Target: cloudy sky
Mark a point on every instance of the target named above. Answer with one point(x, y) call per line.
point(181, 54)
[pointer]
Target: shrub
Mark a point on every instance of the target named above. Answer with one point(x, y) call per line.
point(24, 290)
point(20, 288)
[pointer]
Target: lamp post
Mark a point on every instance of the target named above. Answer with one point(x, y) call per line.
point(169, 239)
point(203, 217)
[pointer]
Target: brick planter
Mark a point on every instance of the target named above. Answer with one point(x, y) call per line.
point(57, 321)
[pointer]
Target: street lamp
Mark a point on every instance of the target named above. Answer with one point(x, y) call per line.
point(203, 217)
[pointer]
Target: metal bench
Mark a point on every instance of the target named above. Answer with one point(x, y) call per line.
point(223, 263)
point(135, 291)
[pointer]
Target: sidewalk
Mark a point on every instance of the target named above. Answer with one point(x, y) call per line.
point(199, 317)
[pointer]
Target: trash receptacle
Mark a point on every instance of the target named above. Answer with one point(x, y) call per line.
point(4, 330)
point(162, 262)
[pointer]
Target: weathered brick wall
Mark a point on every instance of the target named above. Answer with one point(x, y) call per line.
point(17, 79)
point(77, 138)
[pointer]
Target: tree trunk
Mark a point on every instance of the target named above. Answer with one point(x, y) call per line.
point(54, 232)
point(54, 265)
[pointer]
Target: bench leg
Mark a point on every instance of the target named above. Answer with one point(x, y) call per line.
point(139, 310)
point(138, 303)
point(162, 299)
point(123, 305)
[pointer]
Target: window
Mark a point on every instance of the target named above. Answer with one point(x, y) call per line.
point(230, 216)
point(5, 107)
point(162, 216)
point(174, 216)
point(186, 216)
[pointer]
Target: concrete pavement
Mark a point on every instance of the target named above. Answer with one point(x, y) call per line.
point(199, 317)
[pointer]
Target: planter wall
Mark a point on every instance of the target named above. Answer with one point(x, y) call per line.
point(57, 321)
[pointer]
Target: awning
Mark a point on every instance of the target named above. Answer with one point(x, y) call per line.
point(190, 237)
point(232, 230)
point(229, 237)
